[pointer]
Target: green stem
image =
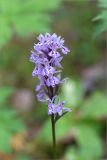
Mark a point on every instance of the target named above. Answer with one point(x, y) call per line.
point(53, 135)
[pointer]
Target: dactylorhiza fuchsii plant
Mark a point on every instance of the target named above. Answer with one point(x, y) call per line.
point(47, 55)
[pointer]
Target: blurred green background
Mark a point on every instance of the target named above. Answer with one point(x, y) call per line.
point(25, 128)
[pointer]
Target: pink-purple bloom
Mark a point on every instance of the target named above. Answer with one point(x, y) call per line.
point(46, 56)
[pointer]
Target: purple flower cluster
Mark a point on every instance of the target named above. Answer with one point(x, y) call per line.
point(46, 56)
